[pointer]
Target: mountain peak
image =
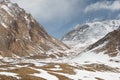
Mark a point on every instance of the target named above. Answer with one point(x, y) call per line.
point(21, 35)
point(89, 33)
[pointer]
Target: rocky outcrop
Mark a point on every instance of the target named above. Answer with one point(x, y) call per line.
point(110, 44)
point(21, 35)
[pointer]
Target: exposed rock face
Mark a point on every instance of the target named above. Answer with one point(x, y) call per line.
point(110, 44)
point(22, 35)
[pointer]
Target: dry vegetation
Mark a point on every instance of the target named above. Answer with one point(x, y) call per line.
point(60, 77)
point(3, 77)
point(65, 68)
point(99, 67)
point(25, 72)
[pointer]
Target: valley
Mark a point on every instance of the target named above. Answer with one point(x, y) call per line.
point(90, 51)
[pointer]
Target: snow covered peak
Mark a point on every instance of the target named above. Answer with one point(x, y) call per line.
point(9, 12)
point(10, 8)
point(109, 25)
point(91, 32)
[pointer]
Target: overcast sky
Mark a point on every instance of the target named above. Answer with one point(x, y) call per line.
point(59, 16)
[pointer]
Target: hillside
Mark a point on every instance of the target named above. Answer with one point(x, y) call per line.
point(21, 35)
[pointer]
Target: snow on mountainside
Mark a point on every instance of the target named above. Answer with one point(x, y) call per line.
point(110, 44)
point(21, 35)
point(100, 58)
point(96, 42)
point(97, 48)
point(89, 33)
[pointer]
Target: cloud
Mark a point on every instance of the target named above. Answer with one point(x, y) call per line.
point(107, 5)
point(49, 10)
point(54, 15)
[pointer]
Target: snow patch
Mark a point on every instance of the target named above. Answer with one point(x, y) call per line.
point(28, 21)
point(44, 74)
point(10, 74)
point(4, 25)
point(57, 68)
point(87, 75)
point(6, 9)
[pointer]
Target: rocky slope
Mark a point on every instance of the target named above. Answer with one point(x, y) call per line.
point(22, 35)
point(110, 44)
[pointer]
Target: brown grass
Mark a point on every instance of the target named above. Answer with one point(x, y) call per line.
point(65, 68)
point(99, 67)
point(27, 77)
point(6, 66)
point(60, 77)
point(24, 71)
point(3, 77)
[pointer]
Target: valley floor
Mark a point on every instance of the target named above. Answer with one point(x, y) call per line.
point(30, 69)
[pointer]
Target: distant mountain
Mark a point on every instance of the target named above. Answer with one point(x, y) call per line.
point(89, 33)
point(22, 36)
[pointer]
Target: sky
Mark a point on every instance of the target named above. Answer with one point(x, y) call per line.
point(60, 16)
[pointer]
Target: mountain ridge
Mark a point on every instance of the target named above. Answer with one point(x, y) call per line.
point(22, 35)
point(91, 32)
point(112, 45)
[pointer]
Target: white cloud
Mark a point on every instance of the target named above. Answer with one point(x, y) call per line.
point(53, 14)
point(49, 10)
point(108, 5)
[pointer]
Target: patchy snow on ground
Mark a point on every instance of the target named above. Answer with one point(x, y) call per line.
point(10, 74)
point(92, 57)
point(87, 75)
point(44, 74)
point(89, 57)
point(57, 68)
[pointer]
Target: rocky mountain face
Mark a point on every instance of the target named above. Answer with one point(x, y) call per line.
point(22, 35)
point(110, 44)
point(89, 33)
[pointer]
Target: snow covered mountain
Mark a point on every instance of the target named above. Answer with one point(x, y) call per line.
point(89, 33)
point(22, 35)
point(110, 44)
point(99, 58)
point(107, 47)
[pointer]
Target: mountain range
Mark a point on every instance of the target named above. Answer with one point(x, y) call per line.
point(90, 51)
point(91, 32)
